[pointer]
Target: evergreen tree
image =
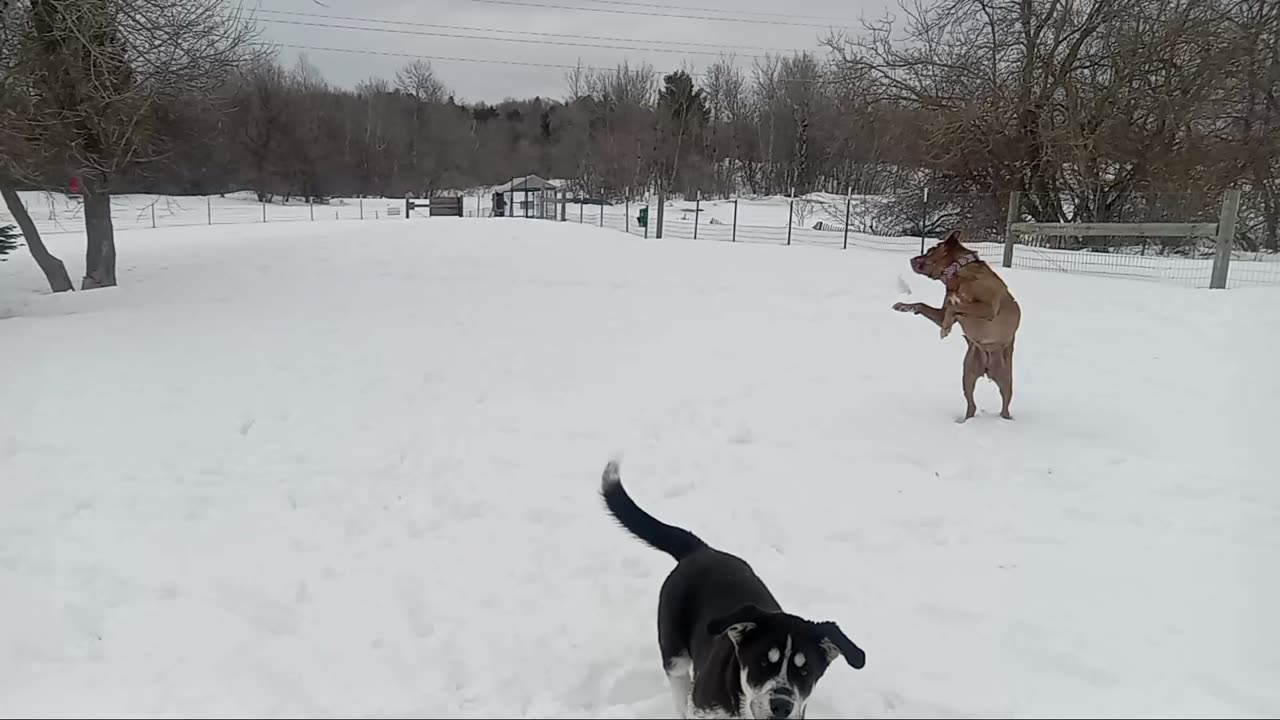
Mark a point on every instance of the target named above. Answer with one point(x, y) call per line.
point(682, 120)
point(8, 240)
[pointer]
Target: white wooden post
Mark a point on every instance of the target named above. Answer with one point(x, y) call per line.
point(1226, 239)
point(1010, 237)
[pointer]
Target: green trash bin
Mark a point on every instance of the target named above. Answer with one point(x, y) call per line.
point(643, 218)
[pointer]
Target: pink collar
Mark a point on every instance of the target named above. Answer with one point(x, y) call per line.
point(954, 267)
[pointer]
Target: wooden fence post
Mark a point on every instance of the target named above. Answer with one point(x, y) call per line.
point(1226, 239)
point(1015, 213)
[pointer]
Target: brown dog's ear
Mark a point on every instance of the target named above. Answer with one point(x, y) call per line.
point(952, 238)
point(737, 623)
point(836, 643)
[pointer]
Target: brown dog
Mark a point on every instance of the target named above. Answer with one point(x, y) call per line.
point(987, 312)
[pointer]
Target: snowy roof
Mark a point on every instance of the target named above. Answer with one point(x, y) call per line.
point(528, 183)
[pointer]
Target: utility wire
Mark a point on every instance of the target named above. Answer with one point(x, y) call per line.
point(441, 58)
point(654, 14)
point(689, 8)
point(525, 32)
point(526, 41)
point(488, 61)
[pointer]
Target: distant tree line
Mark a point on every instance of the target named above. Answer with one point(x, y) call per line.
point(1090, 108)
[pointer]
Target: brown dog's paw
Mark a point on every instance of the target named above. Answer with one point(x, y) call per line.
point(905, 307)
point(945, 332)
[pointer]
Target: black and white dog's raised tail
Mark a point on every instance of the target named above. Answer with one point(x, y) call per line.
point(728, 648)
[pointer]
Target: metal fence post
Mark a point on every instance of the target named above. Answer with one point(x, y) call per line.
point(601, 212)
point(264, 211)
point(627, 211)
point(153, 216)
point(208, 207)
point(1015, 213)
point(361, 208)
point(791, 213)
point(924, 217)
point(848, 203)
point(734, 236)
point(311, 208)
point(581, 211)
point(1226, 239)
point(662, 208)
point(646, 224)
point(697, 211)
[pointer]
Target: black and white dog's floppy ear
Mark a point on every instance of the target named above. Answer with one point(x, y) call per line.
point(836, 643)
point(737, 623)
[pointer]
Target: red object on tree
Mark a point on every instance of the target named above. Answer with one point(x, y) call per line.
point(75, 185)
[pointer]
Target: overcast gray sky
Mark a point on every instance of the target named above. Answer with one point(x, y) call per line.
point(639, 31)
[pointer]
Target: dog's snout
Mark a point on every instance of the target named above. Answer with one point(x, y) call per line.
point(780, 706)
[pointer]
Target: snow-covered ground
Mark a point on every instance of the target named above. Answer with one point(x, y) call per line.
point(295, 470)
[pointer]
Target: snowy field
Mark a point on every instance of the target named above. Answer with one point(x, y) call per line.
point(341, 469)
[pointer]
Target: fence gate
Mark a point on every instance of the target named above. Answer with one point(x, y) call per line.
point(446, 206)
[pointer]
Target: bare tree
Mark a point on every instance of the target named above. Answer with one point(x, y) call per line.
point(98, 73)
point(1250, 119)
point(726, 93)
point(419, 80)
point(19, 156)
point(1078, 104)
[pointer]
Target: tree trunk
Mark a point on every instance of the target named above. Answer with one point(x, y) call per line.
point(100, 255)
point(54, 271)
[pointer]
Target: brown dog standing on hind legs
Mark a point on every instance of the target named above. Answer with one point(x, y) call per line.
point(980, 301)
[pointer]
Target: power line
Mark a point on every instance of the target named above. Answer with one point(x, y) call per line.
point(487, 61)
point(526, 41)
point(525, 32)
point(439, 58)
point(722, 10)
point(652, 14)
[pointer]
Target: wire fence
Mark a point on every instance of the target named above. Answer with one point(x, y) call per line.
point(909, 224)
point(57, 213)
point(903, 223)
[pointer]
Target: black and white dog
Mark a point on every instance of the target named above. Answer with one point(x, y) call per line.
point(728, 649)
